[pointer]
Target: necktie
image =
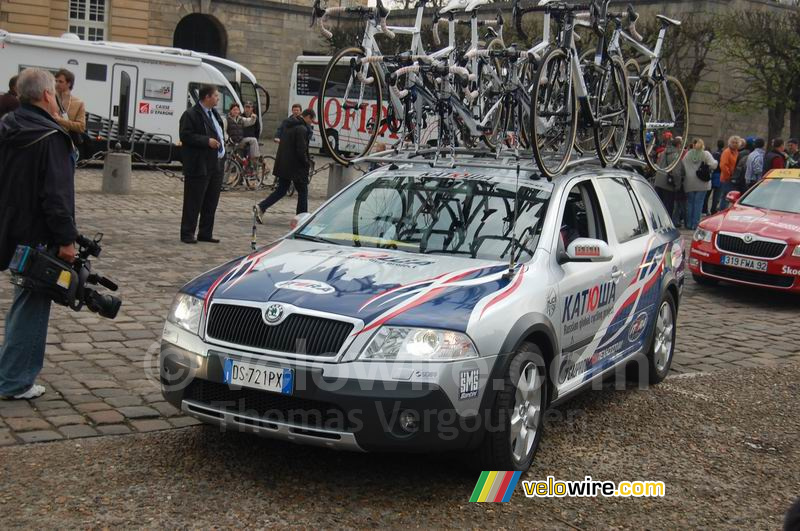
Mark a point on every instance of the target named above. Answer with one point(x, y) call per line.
point(221, 150)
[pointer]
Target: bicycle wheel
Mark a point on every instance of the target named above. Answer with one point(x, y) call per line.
point(611, 113)
point(554, 116)
point(664, 111)
point(232, 173)
point(377, 212)
point(257, 179)
point(489, 104)
point(528, 78)
point(350, 96)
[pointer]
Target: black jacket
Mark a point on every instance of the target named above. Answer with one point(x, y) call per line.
point(37, 182)
point(195, 130)
point(282, 127)
point(292, 161)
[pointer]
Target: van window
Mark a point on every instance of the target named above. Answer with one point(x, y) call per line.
point(96, 72)
point(226, 99)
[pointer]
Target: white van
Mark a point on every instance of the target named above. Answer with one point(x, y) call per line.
point(139, 91)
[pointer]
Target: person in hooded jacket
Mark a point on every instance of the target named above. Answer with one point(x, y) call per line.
point(292, 164)
point(37, 208)
point(695, 187)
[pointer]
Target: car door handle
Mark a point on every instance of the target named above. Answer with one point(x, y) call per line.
point(616, 274)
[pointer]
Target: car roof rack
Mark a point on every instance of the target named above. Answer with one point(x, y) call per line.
point(505, 159)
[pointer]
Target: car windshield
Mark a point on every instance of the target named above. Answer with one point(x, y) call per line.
point(775, 194)
point(436, 215)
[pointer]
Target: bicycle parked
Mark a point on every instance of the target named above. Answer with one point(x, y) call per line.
point(241, 171)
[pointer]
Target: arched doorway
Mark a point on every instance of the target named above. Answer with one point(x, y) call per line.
point(201, 33)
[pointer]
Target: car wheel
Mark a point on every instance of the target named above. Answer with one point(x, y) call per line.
point(705, 281)
point(517, 416)
point(662, 343)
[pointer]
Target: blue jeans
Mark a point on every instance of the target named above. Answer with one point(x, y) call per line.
point(724, 189)
point(22, 353)
point(694, 207)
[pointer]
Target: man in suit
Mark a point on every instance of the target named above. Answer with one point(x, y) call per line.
point(203, 154)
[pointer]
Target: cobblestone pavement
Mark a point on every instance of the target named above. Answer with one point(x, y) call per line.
point(99, 373)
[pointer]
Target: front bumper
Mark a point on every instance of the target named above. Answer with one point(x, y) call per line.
point(342, 413)
point(782, 274)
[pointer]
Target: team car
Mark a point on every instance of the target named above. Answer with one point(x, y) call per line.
point(431, 310)
point(756, 241)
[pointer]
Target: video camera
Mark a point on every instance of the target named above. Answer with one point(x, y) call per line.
point(40, 270)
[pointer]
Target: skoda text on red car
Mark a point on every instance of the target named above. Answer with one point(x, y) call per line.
point(757, 240)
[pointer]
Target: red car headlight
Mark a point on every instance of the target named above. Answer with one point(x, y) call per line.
point(702, 235)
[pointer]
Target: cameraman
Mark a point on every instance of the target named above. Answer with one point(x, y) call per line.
point(37, 207)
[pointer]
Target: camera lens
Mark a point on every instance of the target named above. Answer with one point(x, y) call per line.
point(105, 305)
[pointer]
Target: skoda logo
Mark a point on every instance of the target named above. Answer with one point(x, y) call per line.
point(748, 238)
point(273, 314)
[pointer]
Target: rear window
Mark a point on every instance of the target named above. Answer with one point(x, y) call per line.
point(623, 208)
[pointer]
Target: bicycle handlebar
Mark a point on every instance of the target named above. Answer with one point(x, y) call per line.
point(320, 15)
point(633, 16)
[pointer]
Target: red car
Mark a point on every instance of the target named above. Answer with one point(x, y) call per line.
point(757, 240)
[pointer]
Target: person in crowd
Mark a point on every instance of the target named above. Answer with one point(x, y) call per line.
point(792, 153)
point(746, 146)
point(297, 109)
point(250, 131)
point(203, 154)
point(37, 208)
point(71, 110)
point(9, 101)
point(667, 183)
point(776, 158)
point(234, 128)
point(292, 164)
point(679, 218)
point(696, 187)
point(755, 163)
point(727, 166)
point(715, 190)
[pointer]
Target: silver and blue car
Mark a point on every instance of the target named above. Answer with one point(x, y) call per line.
point(433, 310)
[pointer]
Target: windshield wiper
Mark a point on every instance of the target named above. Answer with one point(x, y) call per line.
point(316, 239)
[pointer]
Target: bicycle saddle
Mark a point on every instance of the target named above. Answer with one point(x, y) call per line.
point(475, 4)
point(668, 21)
point(453, 6)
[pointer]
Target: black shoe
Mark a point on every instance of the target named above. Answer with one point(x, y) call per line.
point(188, 240)
point(208, 240)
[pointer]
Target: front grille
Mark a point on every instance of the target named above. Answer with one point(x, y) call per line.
point(297, 334)
point(759, 248)
point(744, 275)
point(268, 406)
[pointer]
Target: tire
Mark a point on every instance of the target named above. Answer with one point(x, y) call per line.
point(554, 114)
point(611, 136)
point(662, 341)
point(232, 173)
point(654, 110)
point(334, 83)
point(704, 281)
point(377, 216)
point(505, 449)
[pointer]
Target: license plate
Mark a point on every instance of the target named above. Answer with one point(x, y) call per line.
point(744, 263)
point(263, 377)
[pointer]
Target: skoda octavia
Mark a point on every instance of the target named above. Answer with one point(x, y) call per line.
point(426, 310)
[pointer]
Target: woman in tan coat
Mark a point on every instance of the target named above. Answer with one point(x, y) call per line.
point(73, 111)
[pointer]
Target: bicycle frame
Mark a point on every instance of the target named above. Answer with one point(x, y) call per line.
point(653, 69)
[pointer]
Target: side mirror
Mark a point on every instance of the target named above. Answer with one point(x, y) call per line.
point(733, 196)
point(298, 220)
point(587, 250)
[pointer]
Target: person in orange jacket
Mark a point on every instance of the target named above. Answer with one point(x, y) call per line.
point(727, 165)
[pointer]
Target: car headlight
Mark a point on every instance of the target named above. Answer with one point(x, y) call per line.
point(796, 252)
point(418, 344)
point(702, 235)
point(186, 312)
